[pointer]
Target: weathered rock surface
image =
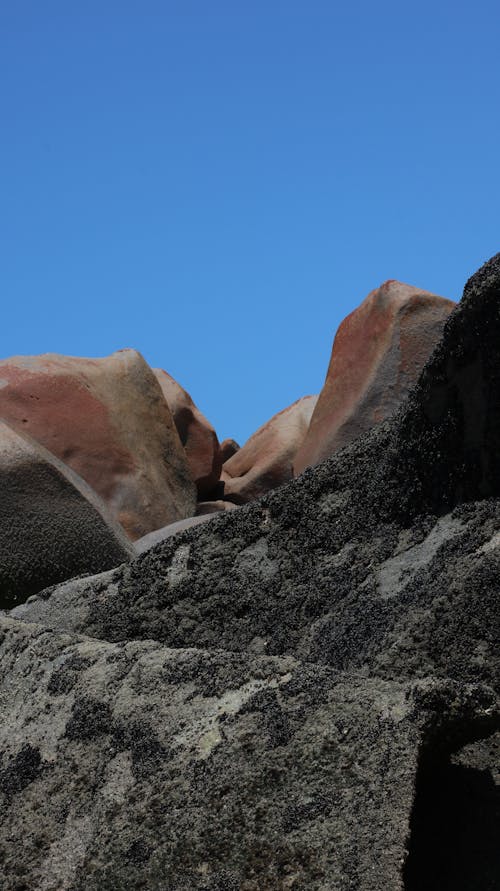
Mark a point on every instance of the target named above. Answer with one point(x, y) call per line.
point(378, 354)
point(292, 694)
point(266, 459)
point(141, 766)
point(196, 434)
point(107, 419)
point(52, 525)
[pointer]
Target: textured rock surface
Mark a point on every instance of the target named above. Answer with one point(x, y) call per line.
point(106, 419)
point(266, 459)
point(300, 693)
point(52, 525)
point(153, 538)
point(196, 770)
point(377, 356)
point(196, 434)
point(206, 510)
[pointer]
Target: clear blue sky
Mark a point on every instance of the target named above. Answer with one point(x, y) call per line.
point(218, 184)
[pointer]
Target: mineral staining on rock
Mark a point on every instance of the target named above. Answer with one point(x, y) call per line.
point(107, 419)
point(378, 354)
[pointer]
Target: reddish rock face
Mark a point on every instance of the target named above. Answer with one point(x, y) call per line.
point(52, 524)
point(266, 459)
point(107, 419)
point(196, 434)
point(377, 356)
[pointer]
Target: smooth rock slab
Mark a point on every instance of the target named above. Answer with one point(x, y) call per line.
point(132, 766)
point(107, 419)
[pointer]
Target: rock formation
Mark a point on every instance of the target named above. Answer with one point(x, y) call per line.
point(378, 354)
point(196, 434)
point(298, 694)
point(228, 448)
point(53, 526)
point(266, 459)
point(107, 419)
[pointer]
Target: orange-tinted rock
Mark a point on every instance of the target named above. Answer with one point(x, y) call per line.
point(52, 525)
point(228, 448)
point(266, 459)
point(196, 434)
point(377, 356)
point(107, 419)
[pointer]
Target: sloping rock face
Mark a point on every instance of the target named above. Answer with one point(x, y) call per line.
point(377, 356)
point(271, 700)
point(266, 459)
point(107, 419)
point(196, 434)
point(52, 525)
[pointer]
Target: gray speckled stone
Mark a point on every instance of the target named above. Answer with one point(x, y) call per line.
point(136, 765)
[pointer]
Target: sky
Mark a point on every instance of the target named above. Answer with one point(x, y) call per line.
point(218, 183)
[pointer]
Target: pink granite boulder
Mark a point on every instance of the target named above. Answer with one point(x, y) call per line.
point(196, 434)
point(378, 353)
point(52, 524)
point(266, 459)
point(107, 419)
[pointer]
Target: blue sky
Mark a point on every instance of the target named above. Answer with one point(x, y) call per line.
point(218, 184)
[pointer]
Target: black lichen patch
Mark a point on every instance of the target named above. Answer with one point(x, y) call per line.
point(20, 771)
point(138, 852)
point(146, 751)
point(298, 813)
point(65, 676)
point(89, 719)
point(275, 720)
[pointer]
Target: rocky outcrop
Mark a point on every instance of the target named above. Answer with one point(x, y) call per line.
point(291, 694)
point(377, 356)
point(266, 459)
point(52, 525)
point(183, 769)
point(107, 419)
point(196, 434)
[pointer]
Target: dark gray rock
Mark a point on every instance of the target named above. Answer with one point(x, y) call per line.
point(52, 524)
point(139, 766)
point(362, 600)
